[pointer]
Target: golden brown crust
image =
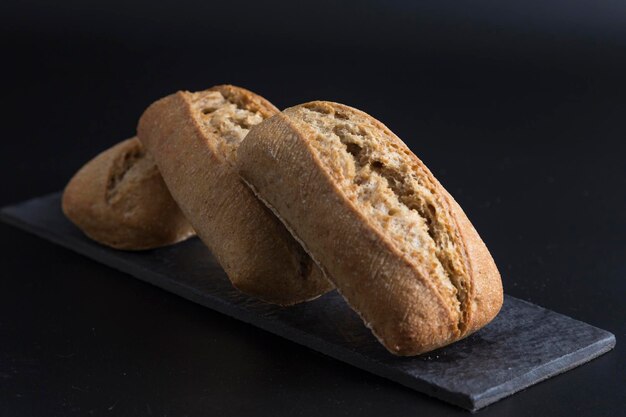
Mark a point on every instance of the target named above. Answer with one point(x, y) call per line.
point(486, 294)
point(397, 295)
point(120, 200)
point(258, 254)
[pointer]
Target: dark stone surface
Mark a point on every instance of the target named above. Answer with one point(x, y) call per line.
point(524, 345)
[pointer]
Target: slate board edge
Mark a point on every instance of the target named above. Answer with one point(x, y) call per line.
point(469, 402)
point(546, 371)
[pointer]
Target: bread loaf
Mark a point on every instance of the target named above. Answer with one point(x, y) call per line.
point(396, 245)
point(193, 138)
point(120, 200)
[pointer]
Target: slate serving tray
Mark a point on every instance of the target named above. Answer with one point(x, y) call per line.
point(524, 345)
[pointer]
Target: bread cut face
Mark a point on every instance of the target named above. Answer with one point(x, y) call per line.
point(194, 137)
point(398, 247)
point(225, 118)
point(120, 200)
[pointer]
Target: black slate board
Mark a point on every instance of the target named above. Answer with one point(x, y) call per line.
point(524, 345)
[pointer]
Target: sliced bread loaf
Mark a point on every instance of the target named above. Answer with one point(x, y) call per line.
point(120, 200)
point(194, 138)
point(393, 241)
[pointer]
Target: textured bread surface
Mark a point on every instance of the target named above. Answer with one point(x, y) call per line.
point(394, 242)
point(120, 200)
point(193, 138)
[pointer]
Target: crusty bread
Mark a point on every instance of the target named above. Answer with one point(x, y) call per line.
point(394, 242)
point(120, 200)
point(193, 138)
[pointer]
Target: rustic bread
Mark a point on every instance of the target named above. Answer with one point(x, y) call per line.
point(393, 241)
point(120, 200)
point(194, 137)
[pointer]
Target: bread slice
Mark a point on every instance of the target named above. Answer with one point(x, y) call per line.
point(393, 241)
point(120, 200)
point(193, 138)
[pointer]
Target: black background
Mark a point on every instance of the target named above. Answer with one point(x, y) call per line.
point(518, 107)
